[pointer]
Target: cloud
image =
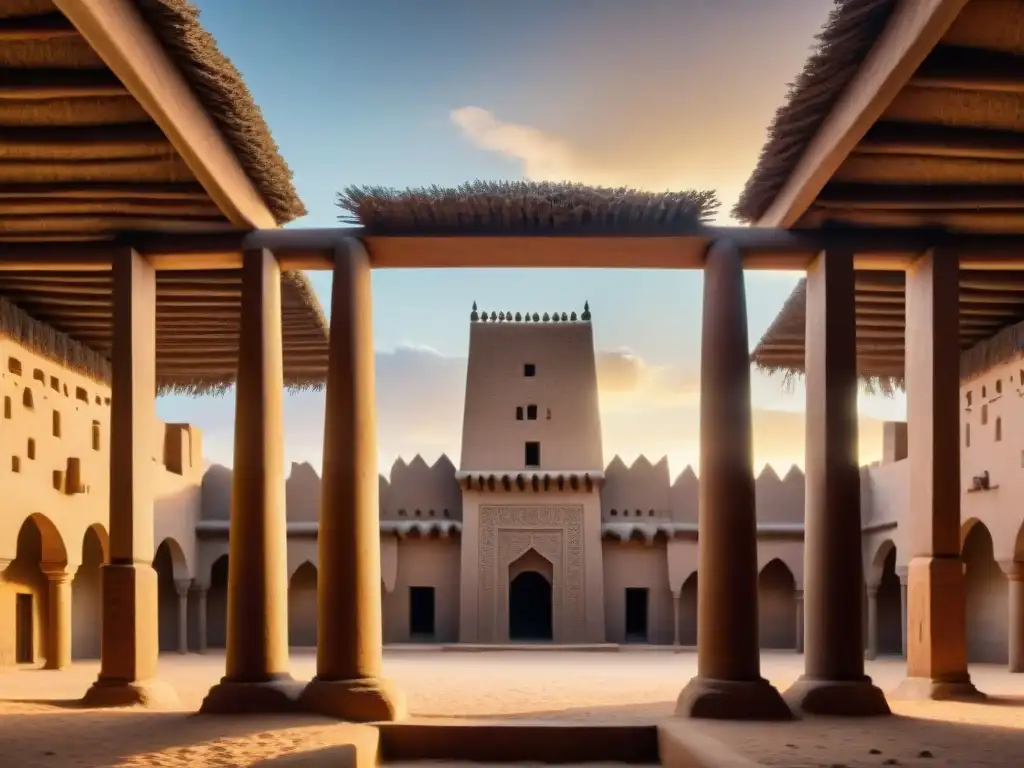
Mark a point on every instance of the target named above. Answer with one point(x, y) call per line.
point(625, 379)
point(646, 151)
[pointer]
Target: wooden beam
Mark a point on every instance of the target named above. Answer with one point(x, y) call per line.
point(116, 31)
point(915, 197)
point(978, 221)
point(931, 140)
point(42, 26)
point(103, 191)
point(78, 143)
point(914, 29)
point(19, 84)
point(961, 68)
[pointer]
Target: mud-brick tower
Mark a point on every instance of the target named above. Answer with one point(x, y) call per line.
point(531, 473)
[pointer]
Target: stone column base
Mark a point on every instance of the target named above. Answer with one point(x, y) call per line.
point(732, 700)
point(369, 700)
point(844, 698)
point(151, 694)
point(928, 689)
point(271, 697)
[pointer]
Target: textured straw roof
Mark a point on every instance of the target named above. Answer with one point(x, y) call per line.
point(224, 94)
point(852, 28)
point(82, 160)
point(531, 207)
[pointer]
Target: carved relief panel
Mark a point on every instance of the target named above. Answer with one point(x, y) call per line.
point(506, 533)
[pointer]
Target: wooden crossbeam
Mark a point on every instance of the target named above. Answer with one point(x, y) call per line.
point(911, 197)
point(971, 69)
point(34, 84)
point(43, 26)
point(103, 191)
point(931, 140)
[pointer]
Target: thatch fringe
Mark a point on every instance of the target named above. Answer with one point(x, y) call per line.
point(852, 29)
point(487, 206)
point(886, 386)
point(299, 282)
point(1007, 345)
point(50, 343)
point(222, 91)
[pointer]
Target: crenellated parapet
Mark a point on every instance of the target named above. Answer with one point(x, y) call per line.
point(478, 316)
point(415, 492)
point(639, 497)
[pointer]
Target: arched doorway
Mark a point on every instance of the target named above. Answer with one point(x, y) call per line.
point(688, 612)
point(169, 564)
point(302, 607)
point(529, 599)
point(889, 605)
point(87, 596)
point(40, 548)
point(217, 605)
point(987, 598)
point(776, 606)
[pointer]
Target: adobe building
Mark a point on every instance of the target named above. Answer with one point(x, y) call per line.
point(534, 538)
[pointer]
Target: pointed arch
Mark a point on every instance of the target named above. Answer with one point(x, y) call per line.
point(87, 594)
point(878, 561)
point(302, 606)
point(776, 597)
point(52, 550)
point(987, 596)
point(175, 555)
point(688, 611)
point(217, 604)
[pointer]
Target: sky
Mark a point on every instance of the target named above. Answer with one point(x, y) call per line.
point(654, 94)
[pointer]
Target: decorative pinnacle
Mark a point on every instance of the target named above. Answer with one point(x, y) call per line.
point(585, 317)
point(474, 315)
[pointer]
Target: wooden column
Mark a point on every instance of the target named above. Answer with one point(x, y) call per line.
point(258, 676)
point(58, 645)
point(348, 683)
point(129, 646)
point(937, 599)
point(1015, 641)
point(833, 682)
point(676, 597)
point(182, 587)
point(728, 682)
point(871, 651)
point(200, 591)
point(799, 598)
point(902, 574)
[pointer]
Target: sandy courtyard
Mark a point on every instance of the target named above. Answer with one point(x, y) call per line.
point(38, 728)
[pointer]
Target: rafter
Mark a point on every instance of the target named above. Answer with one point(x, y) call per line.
point(930, 140)
point(912, 197)
point(34, 84)
point(971, 69)
point(43, 26)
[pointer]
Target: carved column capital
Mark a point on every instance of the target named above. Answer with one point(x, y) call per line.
point(4, 562)
point(182, 586)
point(872, 590)
point(59, 574)
point(901, 574)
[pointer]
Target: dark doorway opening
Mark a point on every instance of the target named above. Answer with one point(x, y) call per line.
point(421, 612)
point(636, 614)
point(529, 607)
point(23, 646)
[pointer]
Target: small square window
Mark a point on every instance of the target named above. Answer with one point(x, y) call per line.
point(519, 413)
point(533, 454)
point(529, 370)
point(531, 413)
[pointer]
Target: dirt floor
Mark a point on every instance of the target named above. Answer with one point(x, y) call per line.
point(39, 726)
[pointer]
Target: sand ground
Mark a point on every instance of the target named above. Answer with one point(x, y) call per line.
point(38, 727)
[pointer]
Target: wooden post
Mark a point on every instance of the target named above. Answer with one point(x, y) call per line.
point(349, 655)
point(258, 677)
point(129, 646)
point(833, 682)
point(728, 684)
point(936, 590)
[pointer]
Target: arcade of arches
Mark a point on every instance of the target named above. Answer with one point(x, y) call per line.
point(52, 601)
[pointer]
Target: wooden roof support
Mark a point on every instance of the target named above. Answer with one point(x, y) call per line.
point(960, 68)
point(913, 31)
point(129, 48)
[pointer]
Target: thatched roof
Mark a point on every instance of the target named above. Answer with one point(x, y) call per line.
point(222, 91)
point(66, 316)
point(991, 332)
point(82, 159)
point(852, 28)
point(524, 207)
